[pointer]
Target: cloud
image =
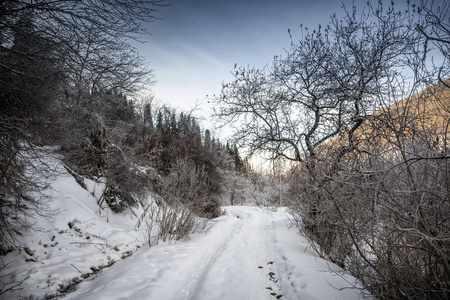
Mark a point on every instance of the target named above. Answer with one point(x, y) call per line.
point(204, 56)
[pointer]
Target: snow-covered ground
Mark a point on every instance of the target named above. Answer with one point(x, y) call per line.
point(73, 243)
point(249, 253)
point(88, 252)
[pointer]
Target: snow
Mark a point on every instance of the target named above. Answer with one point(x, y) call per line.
point(248, 253)
point(78, 236)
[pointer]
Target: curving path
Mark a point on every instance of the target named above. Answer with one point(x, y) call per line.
point(249, 253)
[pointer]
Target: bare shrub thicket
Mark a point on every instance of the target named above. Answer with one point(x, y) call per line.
point(184, 204)
point(379, 201)
point(383, 209)
point(24, 173)
point(169, 222)
point(189, 184)
point(370, 189)
point(89, 150)
point(186, 198)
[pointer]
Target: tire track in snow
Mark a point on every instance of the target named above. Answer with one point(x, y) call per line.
point(246, 247)
point(215, 253)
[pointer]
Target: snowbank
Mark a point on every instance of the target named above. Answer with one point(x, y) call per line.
point(74, 244)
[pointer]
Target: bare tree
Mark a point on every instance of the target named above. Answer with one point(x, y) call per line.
point(436, 31)
point(370, 189)
point(327, 84)
point(324, 86)
point(81, 33)
point(59, 50)
point(21, 177)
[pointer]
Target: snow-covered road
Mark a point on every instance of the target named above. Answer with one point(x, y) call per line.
point(249, 253)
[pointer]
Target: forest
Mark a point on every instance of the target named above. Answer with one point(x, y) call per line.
point(359, 109)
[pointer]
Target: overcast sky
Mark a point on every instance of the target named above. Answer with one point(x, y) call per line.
point(195, 45)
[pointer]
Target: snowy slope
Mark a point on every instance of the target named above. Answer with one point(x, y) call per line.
point(249, 253)
point(74, 244)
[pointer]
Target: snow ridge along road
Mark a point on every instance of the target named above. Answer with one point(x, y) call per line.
point(249, 253)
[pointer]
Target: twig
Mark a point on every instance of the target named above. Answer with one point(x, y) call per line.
point(76, 268)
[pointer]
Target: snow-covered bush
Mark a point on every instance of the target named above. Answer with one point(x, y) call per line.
point(164, 222)
point(191, 186)
point(24, 174)
point(381, 211)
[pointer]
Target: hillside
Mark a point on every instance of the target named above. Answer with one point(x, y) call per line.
point(74, 243)
point(423, 117)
